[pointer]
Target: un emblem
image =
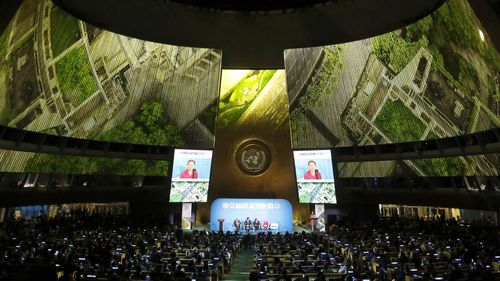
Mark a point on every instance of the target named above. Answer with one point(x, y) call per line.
point(253, 157)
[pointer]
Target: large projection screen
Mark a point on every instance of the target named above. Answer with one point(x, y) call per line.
point(63, 76)
point(438, 77)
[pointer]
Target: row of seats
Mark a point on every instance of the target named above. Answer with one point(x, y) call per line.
point(388, 249)
point(110, 247)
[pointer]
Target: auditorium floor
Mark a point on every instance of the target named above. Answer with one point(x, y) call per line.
point(242, 266)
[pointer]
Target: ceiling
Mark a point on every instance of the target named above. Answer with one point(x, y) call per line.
point(250, 39)
point(8, 9)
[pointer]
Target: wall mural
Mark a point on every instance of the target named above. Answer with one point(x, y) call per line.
point(62, 76)
point(435, 78)
point(438, 77)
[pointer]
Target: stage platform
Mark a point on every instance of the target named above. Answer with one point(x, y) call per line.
point(206, 227)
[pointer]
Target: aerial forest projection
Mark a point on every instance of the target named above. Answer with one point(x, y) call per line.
point(438, 77)
point(239, 90)
point(62, 76)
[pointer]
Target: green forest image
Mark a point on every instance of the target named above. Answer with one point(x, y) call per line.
point(446, 167)
point(241, 94)
point(75, 77)
point(62, 76)
point(322, 81)
point(149, 126)
point(436, 78)
point(393, 120)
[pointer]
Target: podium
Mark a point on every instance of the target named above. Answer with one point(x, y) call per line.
point(221, 225)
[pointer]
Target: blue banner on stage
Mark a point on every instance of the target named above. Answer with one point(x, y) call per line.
point(251, 215)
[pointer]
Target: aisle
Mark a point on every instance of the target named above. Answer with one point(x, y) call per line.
point(242, 266)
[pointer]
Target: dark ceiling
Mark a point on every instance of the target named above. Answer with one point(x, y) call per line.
point(250, 39)
point(8, 9)
point(250, 6)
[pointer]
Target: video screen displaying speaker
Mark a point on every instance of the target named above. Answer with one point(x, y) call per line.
point(314, 174)
point(190, 175)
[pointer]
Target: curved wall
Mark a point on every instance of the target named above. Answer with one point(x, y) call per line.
point(251, 38)
point(435, 78)
point(62, 76)
point(438, 77)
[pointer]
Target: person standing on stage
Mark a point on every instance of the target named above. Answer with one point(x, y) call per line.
point(256, 225)
point(237, 224)
point(248, 225)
